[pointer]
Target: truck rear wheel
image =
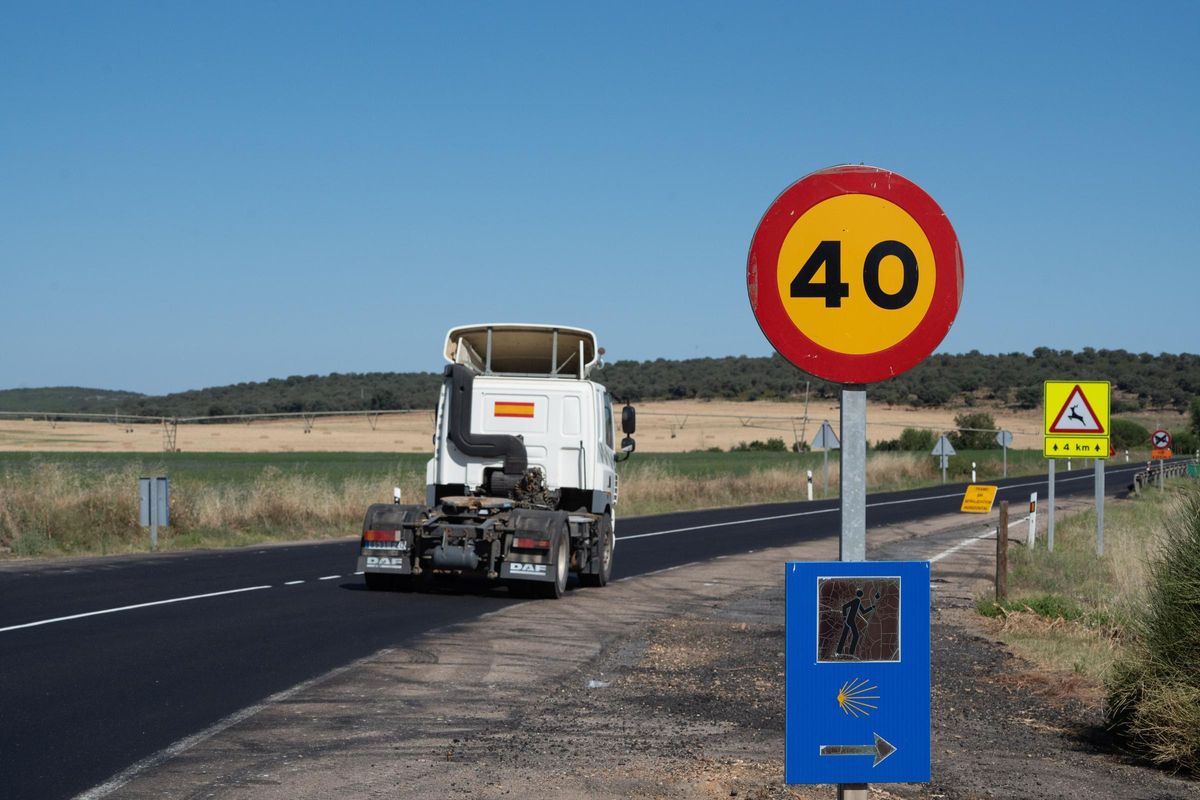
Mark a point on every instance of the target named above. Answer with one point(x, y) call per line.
point(606, 543)
point(562, 567)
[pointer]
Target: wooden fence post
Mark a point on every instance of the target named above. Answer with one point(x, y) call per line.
point(1002, 553)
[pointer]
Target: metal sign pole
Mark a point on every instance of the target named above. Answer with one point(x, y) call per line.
point(854, 507)
point(1099, 507)
point(1005, 461)
point(825, 482)
point(854, 473)
point(1050, 508)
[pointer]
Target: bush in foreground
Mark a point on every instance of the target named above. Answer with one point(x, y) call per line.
point(1154, 690)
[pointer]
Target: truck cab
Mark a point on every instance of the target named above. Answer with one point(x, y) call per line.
point(524, 443)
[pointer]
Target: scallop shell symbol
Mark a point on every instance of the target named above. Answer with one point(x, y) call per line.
point(853, 695)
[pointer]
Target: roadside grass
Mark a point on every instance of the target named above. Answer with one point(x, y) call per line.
point(1129, 620)
point(54, 504)
point(1070, 609)
point(1154, 689)
point(79, 505)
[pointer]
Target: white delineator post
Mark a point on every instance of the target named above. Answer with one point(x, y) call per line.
point(810, 494)
point(972, 472)
point(1031, 539)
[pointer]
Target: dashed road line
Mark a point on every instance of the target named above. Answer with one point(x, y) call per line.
point(130, 608)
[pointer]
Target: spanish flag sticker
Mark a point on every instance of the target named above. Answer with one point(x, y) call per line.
point(511, 409)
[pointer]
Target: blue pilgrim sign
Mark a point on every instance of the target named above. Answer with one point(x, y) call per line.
point(857, 708)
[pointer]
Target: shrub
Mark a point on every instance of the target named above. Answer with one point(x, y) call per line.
point(1184, 442)
point(772, 445)
point(1127, 434)
point(977, 431)
point(1154, 691)
point(912, 440)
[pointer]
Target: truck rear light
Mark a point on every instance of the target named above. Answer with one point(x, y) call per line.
point(526, 543)
point(381, 536)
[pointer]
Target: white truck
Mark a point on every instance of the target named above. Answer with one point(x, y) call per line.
point(522, 486)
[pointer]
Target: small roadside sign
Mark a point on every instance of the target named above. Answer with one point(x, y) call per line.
point(1160, 441)
point(943, 448)
point(1004, 438)
point(978, 499)
point(154, 505)
point(1076, 419)
point(825, 439)
point(857, 672)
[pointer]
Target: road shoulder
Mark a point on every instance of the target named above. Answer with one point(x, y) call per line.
point(664, 685)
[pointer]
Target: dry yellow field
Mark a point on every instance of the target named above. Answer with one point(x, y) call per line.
point(663, 427)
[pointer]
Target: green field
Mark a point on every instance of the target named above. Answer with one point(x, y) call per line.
point(336, 467)
point(226, 467)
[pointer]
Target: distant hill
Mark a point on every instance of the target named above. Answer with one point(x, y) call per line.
point(1140, 380)
point(67, 398)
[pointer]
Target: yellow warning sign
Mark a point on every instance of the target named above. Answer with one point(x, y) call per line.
point(1077, 419)
point(978, 499)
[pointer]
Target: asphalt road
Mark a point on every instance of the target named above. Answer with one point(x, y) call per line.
point(104, 662)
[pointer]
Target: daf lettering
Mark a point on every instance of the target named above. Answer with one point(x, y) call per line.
point(529, 569)
point(377, 561)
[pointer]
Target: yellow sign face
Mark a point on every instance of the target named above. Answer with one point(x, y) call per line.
point(978, 499)
point(1077, 419)
point(859, 274)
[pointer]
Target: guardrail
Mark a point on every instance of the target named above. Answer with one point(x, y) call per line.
point(1157, 472)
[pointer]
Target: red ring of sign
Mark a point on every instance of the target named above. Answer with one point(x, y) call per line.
point(781, 331)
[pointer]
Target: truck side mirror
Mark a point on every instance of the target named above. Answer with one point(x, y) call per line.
point(628, 422)
point(628, 445)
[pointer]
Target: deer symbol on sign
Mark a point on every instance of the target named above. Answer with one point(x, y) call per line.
point(1075, 414)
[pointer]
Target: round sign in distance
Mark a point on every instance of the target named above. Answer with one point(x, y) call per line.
point(1161, 439)
point(854, 274)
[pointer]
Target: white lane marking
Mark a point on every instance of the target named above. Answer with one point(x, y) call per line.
point(292, 583)
point(972, 540)
point(869, 505)
point(727, 524)
point(329, 578)
point(358, 573)
point(130, 608)
point(183, 745)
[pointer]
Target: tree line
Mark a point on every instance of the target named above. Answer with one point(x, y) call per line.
point(1011, 379)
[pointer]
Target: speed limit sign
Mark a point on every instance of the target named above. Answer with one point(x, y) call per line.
point(854, 274)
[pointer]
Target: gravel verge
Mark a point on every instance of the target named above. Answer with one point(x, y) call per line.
point(667, 685)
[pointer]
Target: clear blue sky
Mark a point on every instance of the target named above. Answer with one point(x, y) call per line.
point(196, 194)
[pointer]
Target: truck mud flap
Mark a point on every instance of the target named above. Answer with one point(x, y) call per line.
point(392, 565)
point(515, 570)
point(539, 524)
